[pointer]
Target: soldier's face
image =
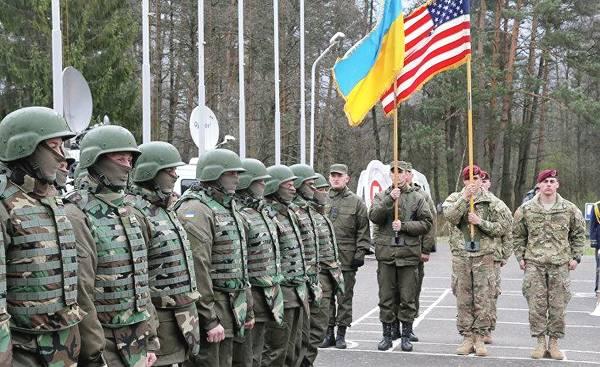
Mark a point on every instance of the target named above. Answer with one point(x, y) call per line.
point(55, 144)
point(124, 159)
point(230, 181)
point(403, 177)
point(549, 186)
point(338, 180)
point(485, 184)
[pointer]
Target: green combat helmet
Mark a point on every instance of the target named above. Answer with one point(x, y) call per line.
point(303, 172)
point(321, 182)
point(106, 139)
point(155, 156)
point(279, 174)
point(255, 170)
point(214, 163)
point(22, 130)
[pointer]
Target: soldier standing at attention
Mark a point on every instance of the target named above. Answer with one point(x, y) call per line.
point(548, 238)
point(215, 229)
point(171, 276)
point(348, 213)
point(398, 251)
point(502, 253)
point(595, 243)
point(283, 341)
point(473, 258)
point(39, 285)
point(264, 263)
point(111, 249)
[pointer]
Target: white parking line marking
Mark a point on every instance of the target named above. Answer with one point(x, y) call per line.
point(514, 309)
point(515, 323)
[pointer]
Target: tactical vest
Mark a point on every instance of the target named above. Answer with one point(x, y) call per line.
point(41, 270)
point(483, 210)
point(228, 252)
point(170, 263)
point(263, 247)
point(290, 247)
point(121, 291)
point(328, 252)
point(309, 235)
point(3, 312)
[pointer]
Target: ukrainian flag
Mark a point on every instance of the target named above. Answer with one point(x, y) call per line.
point(370, 67)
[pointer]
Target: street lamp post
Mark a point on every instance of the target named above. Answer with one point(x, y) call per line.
point(332, 42)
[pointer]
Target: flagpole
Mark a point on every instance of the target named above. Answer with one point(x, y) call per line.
point(470, 140)
point(396, 155)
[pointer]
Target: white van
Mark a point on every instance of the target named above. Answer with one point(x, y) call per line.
point(187, 176)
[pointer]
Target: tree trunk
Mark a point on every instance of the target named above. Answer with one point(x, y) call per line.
point(450, 129)
point(493, 131)
point(479, 118)
point(542, 125)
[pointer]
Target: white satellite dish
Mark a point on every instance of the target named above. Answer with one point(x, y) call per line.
point(203, 115)
point(77, 100)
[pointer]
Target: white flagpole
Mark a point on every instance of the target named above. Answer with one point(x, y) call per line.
point(302, 89)
point(201, 86)
point(57, 84)
point(242, 101)
point(276, 62)
point(146, 136)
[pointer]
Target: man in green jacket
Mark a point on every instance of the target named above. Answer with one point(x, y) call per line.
point(348, 213)
point(398, 251)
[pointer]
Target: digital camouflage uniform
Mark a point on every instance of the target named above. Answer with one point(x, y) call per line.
point(547, 240)
point(171, 276)
point(398, 256)
point(502, 252)
point(113, 267)
point(348, 213)
point(330, 275)
point(283, 342)
point(264, 266)
point(5, 343)
point(216, 233)
point(473, 276)
point(41, 260)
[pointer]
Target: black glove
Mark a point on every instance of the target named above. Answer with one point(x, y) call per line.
point(357, 263)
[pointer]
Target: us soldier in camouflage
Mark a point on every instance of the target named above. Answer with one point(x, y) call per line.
point(264, 262)
point(502, 253)
point(283, 342)
point(171, 276)
point(41, 259)
point(348, 213)
point(331, 278)
point(111, 249)
point(398, 251)
point(548, 238)
point(473, 258)
point(215, 229)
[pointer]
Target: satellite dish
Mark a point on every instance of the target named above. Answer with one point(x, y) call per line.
point(77, 100)
point(203, 115)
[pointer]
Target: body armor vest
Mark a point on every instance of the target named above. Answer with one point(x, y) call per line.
point(171, 276)
point(228, 252)
point(290, 246)
point(328, 252)
point(121, 285)
point(41, 266)
point(3, 313)
point(309, 235)
point(264, 264)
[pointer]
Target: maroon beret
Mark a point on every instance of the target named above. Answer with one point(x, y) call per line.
point(483, 175)
point(476, 172)
point(546, 174)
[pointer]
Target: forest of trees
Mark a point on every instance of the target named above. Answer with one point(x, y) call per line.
point(536, 83)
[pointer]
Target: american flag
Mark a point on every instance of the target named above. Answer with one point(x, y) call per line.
point(437, 37)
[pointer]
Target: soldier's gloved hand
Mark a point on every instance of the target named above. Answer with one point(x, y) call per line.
point(150, 359)
point(357, 262)
point(216, 334)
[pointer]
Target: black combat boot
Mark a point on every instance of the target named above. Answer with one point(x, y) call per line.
point(412, 337)
point(329, 340)
point(386, 342)
point(340, 341)
point(395, 330)
point(405, 343)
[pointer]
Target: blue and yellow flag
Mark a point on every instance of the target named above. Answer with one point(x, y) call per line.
point(370, 67)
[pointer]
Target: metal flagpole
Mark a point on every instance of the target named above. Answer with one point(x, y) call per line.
point(201, 86)
point(146, 137)
point(57, 84)
point(242, 100)
point(470, 140)
point(276, 62)
point(302, 89)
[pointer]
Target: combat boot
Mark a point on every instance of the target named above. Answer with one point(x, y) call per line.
point(540, 349)
point(479, 345)
point(405, 343)
point(396, 330)
point(466, 347)
point(555, 353)
point(329, 339)
point(412, 337)
point(340, 341)
point(386, 342)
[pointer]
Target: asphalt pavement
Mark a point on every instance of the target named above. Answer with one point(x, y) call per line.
point(436, 324)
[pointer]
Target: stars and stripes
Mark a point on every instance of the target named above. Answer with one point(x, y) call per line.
point(437, 38)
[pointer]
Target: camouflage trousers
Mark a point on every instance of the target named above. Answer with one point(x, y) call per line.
point(5, 344)
point(497, 293)
point(54, 349)
point(283, 342)
point(547, 289)
point(473, 284)
point(341, 313)
point(421, 275)
point(127, 346)
point(397, 292)
point(318, 318)
point(179, 334)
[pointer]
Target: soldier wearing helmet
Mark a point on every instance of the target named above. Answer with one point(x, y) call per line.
point(215, 229)
point(39, 287)
point(111, 248)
